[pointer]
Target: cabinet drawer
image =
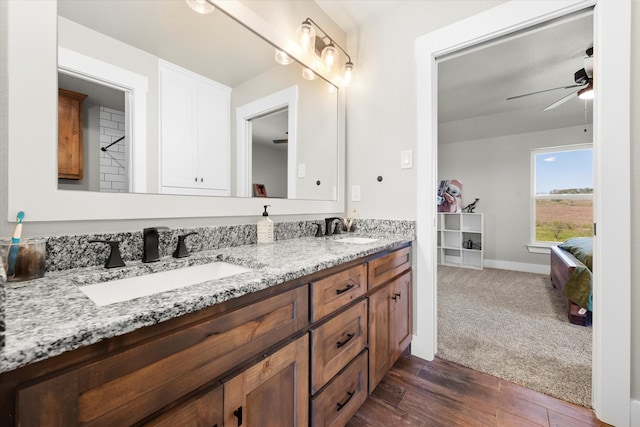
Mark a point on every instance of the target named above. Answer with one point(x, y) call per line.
point(337, 290)
point(337, 403)
point(388, 266)
point(203, 411)
point(130, 385)
point(336, 342)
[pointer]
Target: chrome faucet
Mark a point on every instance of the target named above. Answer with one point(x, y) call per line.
point(150, 251)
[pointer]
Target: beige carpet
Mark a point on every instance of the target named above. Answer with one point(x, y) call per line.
point(514, 326)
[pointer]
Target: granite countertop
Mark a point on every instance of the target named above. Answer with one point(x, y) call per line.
point(48, 316)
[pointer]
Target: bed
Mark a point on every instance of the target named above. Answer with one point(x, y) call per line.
point(571, 265)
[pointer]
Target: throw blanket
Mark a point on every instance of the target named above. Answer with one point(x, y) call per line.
point(579, 287)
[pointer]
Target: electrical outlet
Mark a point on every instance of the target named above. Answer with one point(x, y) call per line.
point(355, 193)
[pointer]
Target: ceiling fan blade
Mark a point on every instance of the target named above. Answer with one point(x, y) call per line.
point(542, 91)
point(280, 141)
point(560, 101)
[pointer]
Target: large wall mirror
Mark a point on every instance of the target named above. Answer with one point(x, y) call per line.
point(49, 44)
point(181, 103)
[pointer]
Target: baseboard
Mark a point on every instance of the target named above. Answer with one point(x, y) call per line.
point(635, 413)
point(517, 266)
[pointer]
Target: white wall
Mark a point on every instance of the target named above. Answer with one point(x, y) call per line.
point(498, 171)
point(381, 104)
point(270, 169)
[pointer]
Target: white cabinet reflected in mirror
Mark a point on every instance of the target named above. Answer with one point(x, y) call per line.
point(182, 105)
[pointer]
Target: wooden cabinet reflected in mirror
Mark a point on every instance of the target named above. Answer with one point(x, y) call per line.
point(70, 145)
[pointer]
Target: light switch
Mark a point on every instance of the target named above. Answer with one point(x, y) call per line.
point(302, 170)
point(355, 193)
point(406, 159)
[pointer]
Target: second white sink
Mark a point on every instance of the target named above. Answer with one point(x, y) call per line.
point(356, 240)
point(106, 293)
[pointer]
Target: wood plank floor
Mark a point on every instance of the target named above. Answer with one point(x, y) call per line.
point(416, 392)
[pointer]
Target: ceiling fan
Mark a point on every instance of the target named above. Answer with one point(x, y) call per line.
point(583, 79)
point(282, 141)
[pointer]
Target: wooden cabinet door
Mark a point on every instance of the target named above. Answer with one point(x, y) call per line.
point(380, 350)
point(203, 411)
point(401, 315)
point(272, 393)
point(70, 143)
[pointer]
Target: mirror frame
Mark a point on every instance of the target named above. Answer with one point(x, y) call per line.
point(33, 131)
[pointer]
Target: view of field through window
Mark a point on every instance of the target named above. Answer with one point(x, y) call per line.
point(559, 220)
point(563, 194)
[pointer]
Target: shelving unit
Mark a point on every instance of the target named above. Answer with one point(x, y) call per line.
point(455, 230)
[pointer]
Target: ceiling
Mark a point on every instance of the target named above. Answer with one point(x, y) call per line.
point(473, 86)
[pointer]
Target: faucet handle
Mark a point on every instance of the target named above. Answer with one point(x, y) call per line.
point(115, 259)
point(181, 250)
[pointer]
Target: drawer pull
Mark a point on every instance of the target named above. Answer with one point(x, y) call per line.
point(349, 337)
point(238, 414)
point(348, 288)
point(396, 297)
point(341, 405)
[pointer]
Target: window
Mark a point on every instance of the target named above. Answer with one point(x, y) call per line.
point(562, 193)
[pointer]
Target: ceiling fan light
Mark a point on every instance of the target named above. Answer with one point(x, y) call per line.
point(282, 58)
point(587, 92)
point(306, 35)
point(201, 6)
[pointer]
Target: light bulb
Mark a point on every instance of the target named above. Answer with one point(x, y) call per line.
point(283, 58)
point(329, 56)
point(201, 6)
point(348, 71)
point(306, 36)
point(308, 74)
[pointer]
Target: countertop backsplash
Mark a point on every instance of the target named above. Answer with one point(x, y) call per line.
point(75, 251)
point(3, 297)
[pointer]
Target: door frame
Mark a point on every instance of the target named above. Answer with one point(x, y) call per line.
point(611, 319)
point(286, 98)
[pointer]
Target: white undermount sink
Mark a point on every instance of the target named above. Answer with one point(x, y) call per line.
point(356, 240)
point(126, 289)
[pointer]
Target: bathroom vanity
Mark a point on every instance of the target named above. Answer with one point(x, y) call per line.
point(302, 339)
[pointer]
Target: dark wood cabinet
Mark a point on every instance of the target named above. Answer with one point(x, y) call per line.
point(130, 385)
point(70, 143)
point(337, 403)
point(336, 342)
point(390, 325)
point(273, 392)
point(203, 411)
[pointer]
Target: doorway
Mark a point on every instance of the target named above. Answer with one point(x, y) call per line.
point(486, 141)
point(611, 358)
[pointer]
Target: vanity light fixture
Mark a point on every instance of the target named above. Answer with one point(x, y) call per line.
point(308, 74)
point(201, 6)
point(586, 92)
point(282, 58)
point(323, 46)
point(306, 35)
